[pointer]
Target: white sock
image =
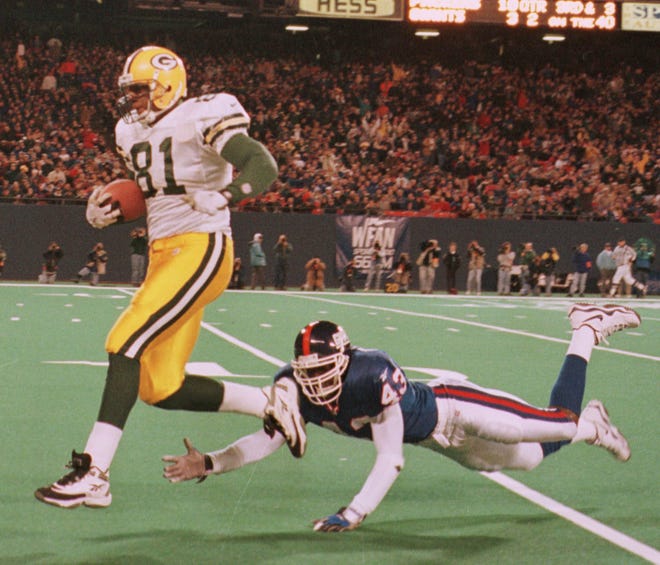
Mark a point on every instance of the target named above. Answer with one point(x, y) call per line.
point(243, 399)
point(582, 343)
point(102, 444)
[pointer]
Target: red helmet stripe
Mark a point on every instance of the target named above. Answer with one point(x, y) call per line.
point(307, 338)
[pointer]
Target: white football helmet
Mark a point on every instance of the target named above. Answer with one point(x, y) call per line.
point(322, 353)
point(153, 81)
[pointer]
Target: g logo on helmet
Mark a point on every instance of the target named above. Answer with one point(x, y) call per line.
point(164, 62)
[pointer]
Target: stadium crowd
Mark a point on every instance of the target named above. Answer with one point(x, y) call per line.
point(470, 140)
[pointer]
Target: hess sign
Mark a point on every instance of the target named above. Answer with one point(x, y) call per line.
point(359, 9)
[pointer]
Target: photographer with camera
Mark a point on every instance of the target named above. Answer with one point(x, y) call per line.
point(52, 257)
point(505, 260)
point(3, 259)
point(347, 277)
point(452, 261)
point(547, 262)
point(400, 276)
point(139, 247)
point(428, 261)
point(315, 279)
point(476, 263)
point(95, 265)
point(282, 251)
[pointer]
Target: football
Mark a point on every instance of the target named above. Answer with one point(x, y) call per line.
point(126, 195)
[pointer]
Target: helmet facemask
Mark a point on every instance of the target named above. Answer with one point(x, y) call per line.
point(130, 93)
point(321, 377)
point(322, 355)
point(153, 82)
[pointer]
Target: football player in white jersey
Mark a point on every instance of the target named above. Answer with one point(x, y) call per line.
point(182, 153)
point(363, 393)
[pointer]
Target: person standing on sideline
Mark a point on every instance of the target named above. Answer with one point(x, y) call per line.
point(645, 256)
point(452, 261)
point(236, 282)
point(182, 153)
point(527, 256)
point(606, 268)
point(3, 259)
point(139, 248)
point(547, 265)
point(582, 262)
point(428, 261)
point(624, 256)
point(52, 257)
point(375, 267)
point(476, 263)
point(505, 259)
point(257, 262)
point(282, 251)
point(348, 274)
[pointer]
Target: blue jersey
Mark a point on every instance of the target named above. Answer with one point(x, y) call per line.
point(373, 381)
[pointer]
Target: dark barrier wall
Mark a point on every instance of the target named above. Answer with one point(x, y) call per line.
point(26, 231)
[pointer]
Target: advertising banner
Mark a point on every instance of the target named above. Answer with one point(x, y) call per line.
point(357, 236)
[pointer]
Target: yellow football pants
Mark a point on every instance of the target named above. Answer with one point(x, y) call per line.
point(160, 326)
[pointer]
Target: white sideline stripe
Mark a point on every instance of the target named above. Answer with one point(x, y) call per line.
point(470, 323)
point(594, 526)
point(585, 522)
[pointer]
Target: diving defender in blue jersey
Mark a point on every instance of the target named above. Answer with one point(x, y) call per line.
point(364, 393)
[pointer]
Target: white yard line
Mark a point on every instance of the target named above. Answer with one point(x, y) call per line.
point(594, 526)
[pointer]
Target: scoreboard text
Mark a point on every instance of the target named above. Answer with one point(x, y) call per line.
point(555, 14)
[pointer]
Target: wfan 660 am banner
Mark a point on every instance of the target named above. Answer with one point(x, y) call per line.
point(357, 236)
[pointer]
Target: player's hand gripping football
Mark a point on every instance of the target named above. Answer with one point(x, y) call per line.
point(185, 467)
point(100, 213)
point(344, 520)
point(282, 415)
point(207, 201)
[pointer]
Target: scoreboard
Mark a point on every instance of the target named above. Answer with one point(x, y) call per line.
point(554, 14)
point(603, 15)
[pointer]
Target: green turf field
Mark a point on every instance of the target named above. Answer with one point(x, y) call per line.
point(588, 507)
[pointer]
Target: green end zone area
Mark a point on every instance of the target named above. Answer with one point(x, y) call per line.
point(53, 370)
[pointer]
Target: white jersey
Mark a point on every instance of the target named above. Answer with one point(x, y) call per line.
point(179, 155)
point(623, 255)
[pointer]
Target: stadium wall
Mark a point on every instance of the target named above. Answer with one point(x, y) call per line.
point(26, 231)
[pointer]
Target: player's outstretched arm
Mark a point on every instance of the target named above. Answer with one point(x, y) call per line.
point(387, 436)
point(197, 465)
